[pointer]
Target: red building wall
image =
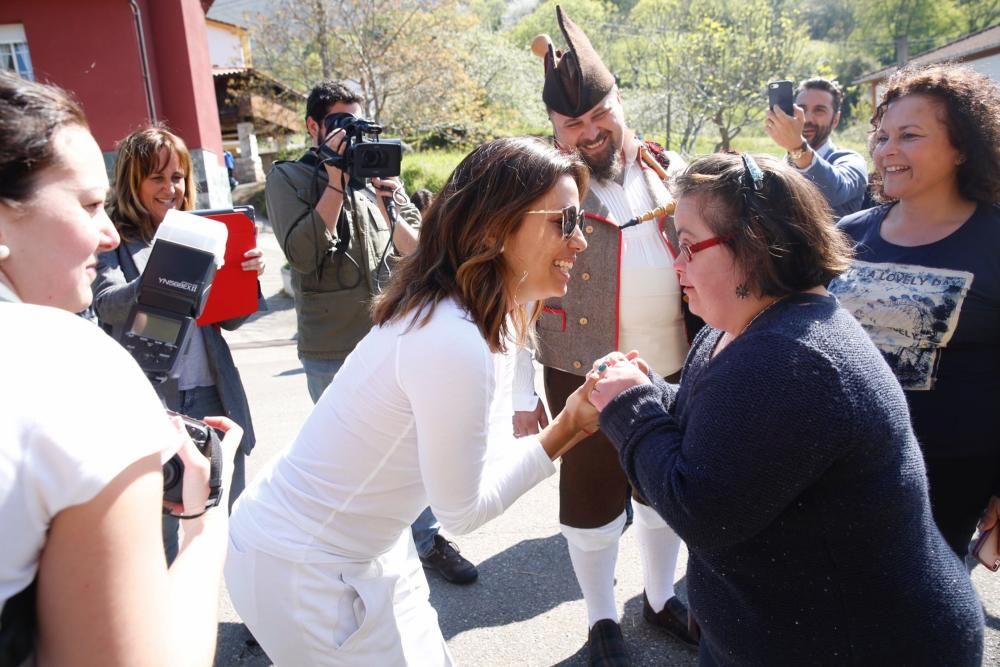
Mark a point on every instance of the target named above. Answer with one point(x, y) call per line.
point(184, 71)
point(91, 48)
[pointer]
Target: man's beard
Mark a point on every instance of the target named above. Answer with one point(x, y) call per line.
point(606, 165)
point(820, 134)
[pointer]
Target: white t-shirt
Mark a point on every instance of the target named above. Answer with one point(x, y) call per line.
point(75, 410)
point(417, 416)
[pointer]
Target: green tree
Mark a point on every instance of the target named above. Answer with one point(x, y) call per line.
point(884, 27)
point(510, 78)
point(596, 17)
point(979, 14)
point(714, 57)
point(831, 20)
point(398, 53)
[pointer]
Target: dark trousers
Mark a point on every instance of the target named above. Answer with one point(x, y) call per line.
point(960, 489)
point(593, 487)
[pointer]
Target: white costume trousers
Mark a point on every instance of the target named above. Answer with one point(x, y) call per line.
point(324, 612)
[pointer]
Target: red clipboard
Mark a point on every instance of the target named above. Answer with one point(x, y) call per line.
point(234, 291)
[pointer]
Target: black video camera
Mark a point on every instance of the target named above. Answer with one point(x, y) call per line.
point(365, 155)
point(207, 440)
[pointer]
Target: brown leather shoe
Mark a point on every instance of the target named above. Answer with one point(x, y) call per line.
point(672, 619)
point(606, 645)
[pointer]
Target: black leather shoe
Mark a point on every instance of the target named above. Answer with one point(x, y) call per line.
point(606, 645)
point(672, 619)
point(445, 559)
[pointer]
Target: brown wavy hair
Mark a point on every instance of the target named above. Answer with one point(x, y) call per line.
point(458, 252)
point(783, 237)
point(971, 105)
point(138, 157)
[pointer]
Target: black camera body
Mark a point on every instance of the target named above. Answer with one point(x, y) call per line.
point(207, 440)
point(173, 291)
point(365, 155)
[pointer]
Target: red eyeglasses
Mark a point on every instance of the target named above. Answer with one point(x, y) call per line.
point(689, 249)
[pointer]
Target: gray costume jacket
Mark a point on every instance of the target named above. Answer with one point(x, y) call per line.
point(116, 290)
point(333, 286)
point(583, 325)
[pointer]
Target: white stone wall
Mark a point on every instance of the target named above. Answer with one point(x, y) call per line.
point(211, 179)
point(225, 47)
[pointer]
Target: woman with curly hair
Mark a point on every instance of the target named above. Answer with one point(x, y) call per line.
point(926, 280)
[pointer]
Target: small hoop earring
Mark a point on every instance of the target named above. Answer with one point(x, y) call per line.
point(4, 252)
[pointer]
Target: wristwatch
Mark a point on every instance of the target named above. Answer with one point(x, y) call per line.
point(797, 154)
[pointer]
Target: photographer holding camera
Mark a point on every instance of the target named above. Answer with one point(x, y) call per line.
point(338, 238)
point(154, 174)
point(333, 231)
point(83, 437)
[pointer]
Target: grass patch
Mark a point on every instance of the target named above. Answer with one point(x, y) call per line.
point(854, 137)
point(429, 169)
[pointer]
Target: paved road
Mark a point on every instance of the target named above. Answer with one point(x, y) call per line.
point(526, 607)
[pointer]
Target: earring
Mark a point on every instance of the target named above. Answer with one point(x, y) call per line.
point(4, 252)
point(741, 291)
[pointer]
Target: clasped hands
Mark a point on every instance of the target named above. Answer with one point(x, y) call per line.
point(611, 375)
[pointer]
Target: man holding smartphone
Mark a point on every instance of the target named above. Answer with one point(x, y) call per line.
point(839, 173)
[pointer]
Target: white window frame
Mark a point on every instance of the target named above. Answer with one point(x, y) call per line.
point(14, 50)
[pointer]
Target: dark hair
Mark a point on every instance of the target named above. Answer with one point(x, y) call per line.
point(462, 234)
point(30, 113)
point(324, 95)
point(138, 157)
point(825, 85)
point(422, 199)
point(971, 105)
point(782, 237)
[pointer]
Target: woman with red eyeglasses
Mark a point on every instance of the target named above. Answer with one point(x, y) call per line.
point(785, 458)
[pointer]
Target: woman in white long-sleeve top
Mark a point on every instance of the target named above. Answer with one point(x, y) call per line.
point(322, 567)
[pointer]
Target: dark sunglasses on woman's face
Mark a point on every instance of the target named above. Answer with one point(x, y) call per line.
point(572, 218)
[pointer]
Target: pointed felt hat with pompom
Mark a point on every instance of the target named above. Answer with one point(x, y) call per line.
point(575, 80)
